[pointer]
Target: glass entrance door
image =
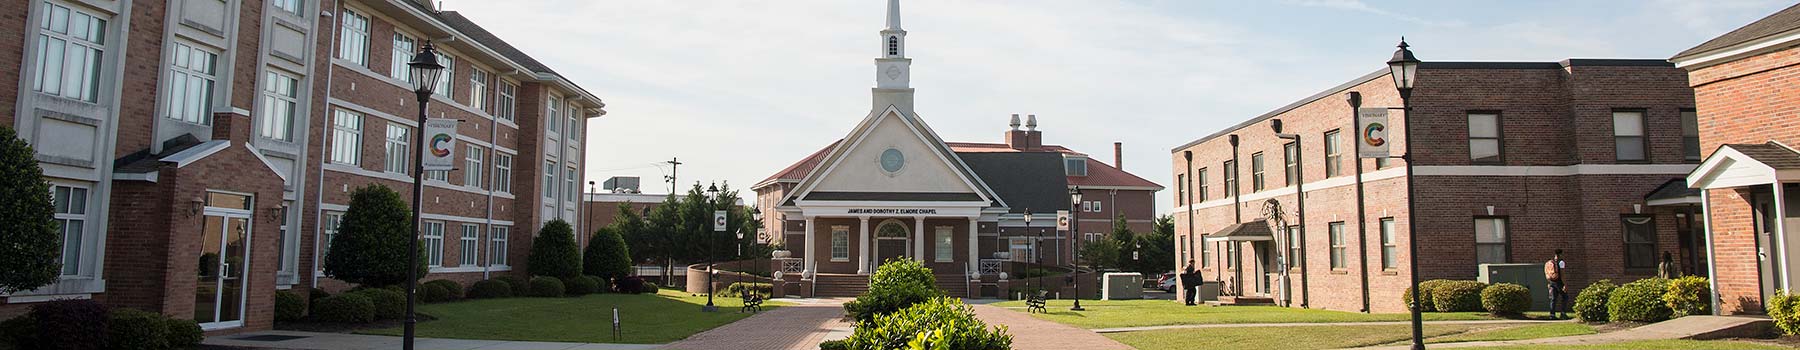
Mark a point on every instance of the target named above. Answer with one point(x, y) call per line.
point(219, 293)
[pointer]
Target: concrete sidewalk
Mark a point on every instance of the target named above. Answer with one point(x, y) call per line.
point(1032, 333)
point(1691, 327)
point(339, 341)
point(1241, 325)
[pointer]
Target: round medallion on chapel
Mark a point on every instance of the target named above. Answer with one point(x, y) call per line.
point(892, 161)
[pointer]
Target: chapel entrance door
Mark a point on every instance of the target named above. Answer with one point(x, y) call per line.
point(224, 260)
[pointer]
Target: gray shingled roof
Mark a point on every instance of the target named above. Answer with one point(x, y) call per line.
point(1771, 154)
point(1254, 230)
point(1777, 23)
point(481, 35)
point(1032, 180)
point(1673, 189)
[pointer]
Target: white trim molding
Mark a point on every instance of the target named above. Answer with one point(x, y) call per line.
point(1745, 49)
point(1551, 170)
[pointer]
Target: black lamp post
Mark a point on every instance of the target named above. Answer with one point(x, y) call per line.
point(425, 72)
point(712, 196)
point(1036, 258)
point(1403, 67)
point(1075, 230)
point(1300, 202)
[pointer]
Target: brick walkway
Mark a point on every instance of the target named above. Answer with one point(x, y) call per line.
point(797, 327)
point(1031, 333)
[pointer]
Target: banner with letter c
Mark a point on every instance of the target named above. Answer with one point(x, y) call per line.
point(440, 144)
point(1372, 132)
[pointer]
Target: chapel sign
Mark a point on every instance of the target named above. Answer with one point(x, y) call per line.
point(892, 211)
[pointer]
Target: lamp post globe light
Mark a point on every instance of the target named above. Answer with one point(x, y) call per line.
point(1404, 67)
point(1075, 230)
point(425, 72)
point(712, 197)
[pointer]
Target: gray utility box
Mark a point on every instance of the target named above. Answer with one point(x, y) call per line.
point(1529, 275)
point(1122, 285)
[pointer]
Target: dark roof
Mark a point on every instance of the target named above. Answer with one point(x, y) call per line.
point(1023, 179)
point(1777, 23)
point(143, 161)
point(1673, 189)
point(481, 35)
point(892, 196)
point(1254, 230)
point(1771, 154)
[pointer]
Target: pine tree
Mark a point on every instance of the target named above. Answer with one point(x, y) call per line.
point(30, 245)
point(554, 252)
point(370, 246)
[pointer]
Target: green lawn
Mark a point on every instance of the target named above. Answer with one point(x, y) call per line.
point(1286, 338)
point(1652, 345)
point(646, 318)
point(1138, 313)
point(1534, 331)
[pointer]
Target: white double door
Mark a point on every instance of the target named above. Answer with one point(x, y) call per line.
point(220, 291)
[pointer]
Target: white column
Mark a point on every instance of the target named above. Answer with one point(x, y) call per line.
point(919, 238)
point(974, 258)
point(1781, 257)
point(809, 244)
point(862, 254)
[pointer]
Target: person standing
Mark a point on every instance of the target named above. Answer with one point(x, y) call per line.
point(1187, 283)
point(1559, 292)
point(1667, 269)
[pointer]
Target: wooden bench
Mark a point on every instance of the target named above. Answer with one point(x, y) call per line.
point(1035, 302)
point(752, 302)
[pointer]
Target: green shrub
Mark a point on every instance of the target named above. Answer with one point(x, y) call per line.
point(313, 294)
point(1457, 296)
point(370, 245)
point(630, 285)
point(18, 333)
point(520, 286)
point(1506, 299)
point(1784, 308)
point(389, 305)
point(737, 289)
point(184, 334)
point(1639, 301)
point(546, 286)
point(1688, 296)
point(452, 291)
point(1424, 298)
point(490, 289)
point(70, 324)
point(834, 345)
point(288, 306)
point(31, 257)
point(554, 252)
point(607, 256)
point(136, 329)
point(1590, 305)
point(433, 293)
point(648, 288)
point(582, 285)
point(937, 323)
point(345, 308)
point(896, 285)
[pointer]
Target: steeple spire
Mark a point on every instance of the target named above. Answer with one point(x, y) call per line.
point(893, 71)
point(893, 18)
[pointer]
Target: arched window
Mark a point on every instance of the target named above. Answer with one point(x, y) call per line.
point(893, 46)
point(892, 228)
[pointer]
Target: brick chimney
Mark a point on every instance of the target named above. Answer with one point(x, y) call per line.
point(1028, 140)
point(1118, 156)
point(232, 127)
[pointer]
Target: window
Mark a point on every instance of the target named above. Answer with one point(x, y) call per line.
point(353, 42)
point(1295, 245)
point(1490, 241)
point(1256, 172)
point(472, 167)
point(1231, 256)
point(280, 97)
point(503, 103)
point(1690, 134)
point(1339, 249)
point(403, 50)
point(1640, 241)
point(1181, 187)
point(478, 89)
point(1381, 163)
point(191, 74)
point(399, 156)
point(551, 122)
point(1098, 207)
point(292, 6)
point(1628, 135)
point(946, 244)
point(285, 265)
point(438, 175)
point(893, 46)
point(332, 219)
point(346, 136)
point(1201, 182)
point(1333, 155)
point(1290, 159)
point(1484, 138)
point(1231, 180)
point(497, 245)
point(434, 243)
point(549, 179)
point(840, 243)
point(502, 172)
point(574, 191)
point(70, 43)
point(444, 87)
point(71, 204)
point(470, 244)
point(1205, 254)
point(574, 124)
point(1075, 166)
point(1390, 249)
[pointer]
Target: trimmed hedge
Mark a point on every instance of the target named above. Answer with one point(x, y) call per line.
point(607, 256)
point(1784, 308)
point(1458, 296)
point(1424, 298)
point(452, 291)
point(370, 247)
point(582, 285)
point(1688, 296)
point(18, 332)
point(432, 293)
point(520, 286)
point(834, 345)
point(1639, 301)
point(630, 285)
point(737, 289)
point(1590, 305)
point(554, 252)
point(490, 289)
point(345, 308)
point(1506, 299)
point(121, 328)
point(389, 304)
point(546, 286)
point(896, 285)
point(136, 329)
point(648, 288)
point(70, 324)
point(288, 306)
point(314, 294)
point(184, 333)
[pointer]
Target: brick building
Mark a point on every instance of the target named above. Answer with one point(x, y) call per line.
point(893, 189)
point(1744, 85)
point(1516, 160)
point(233, 134)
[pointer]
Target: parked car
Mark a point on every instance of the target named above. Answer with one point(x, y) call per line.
point(1166, 282)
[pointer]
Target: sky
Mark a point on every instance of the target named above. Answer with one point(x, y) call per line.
point(739, 89)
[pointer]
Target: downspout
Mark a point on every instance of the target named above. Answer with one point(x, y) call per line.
point(319, 194)
point(1362, 223)
point(1188, 211)
point(493, 139)
point(1300, 199)
point(1237, 207)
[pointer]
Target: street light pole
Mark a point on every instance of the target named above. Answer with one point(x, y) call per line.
point(1403, 66)
point(1075, 230)
point(425, 72)
point(712, 196)
point(1300, 201)
point(1036, 257)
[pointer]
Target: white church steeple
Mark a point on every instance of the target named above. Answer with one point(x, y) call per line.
point(893, 71)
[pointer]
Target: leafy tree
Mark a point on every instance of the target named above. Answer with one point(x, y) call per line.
point(554, 252)
point(32, 246)
point(1155, 249)
point(370, 246)
point(607, 257)
point(1101, 254)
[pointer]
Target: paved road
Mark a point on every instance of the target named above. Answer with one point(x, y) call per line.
point(797, 327)
point(1031, 333)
